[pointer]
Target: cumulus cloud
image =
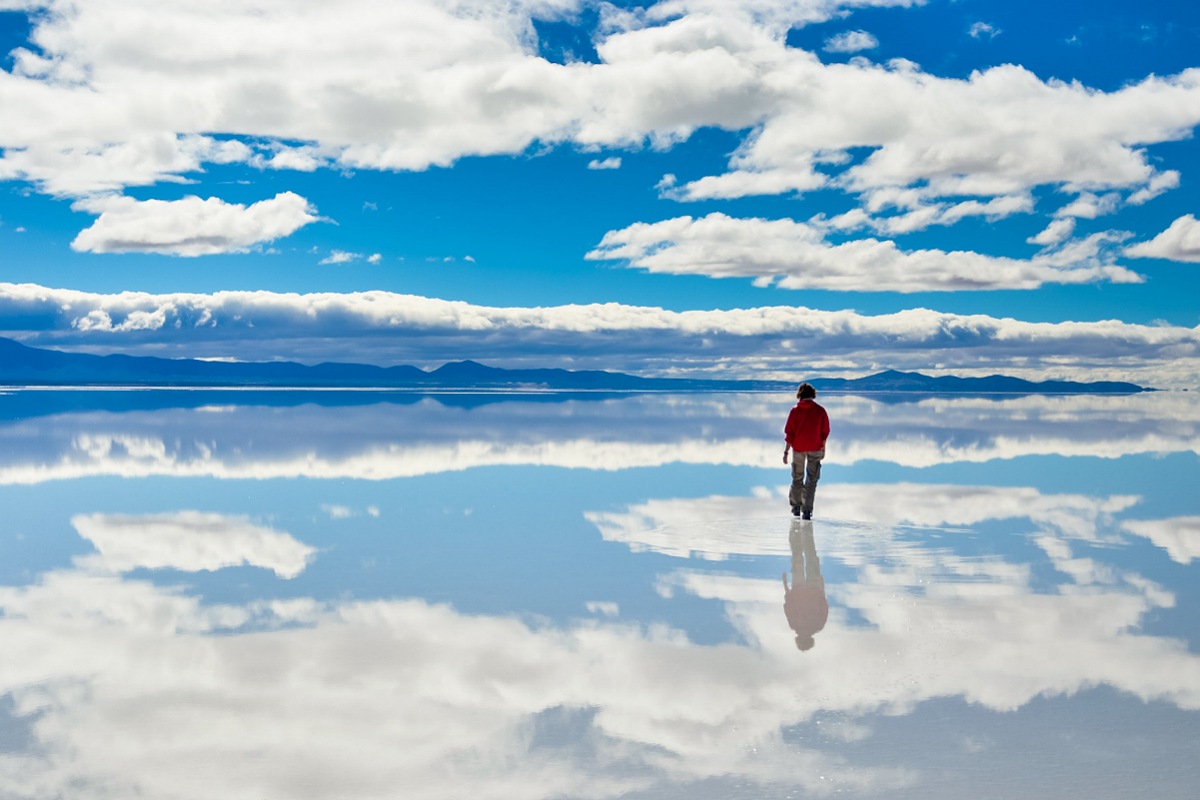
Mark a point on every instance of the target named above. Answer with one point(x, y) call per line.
point(132, 93)
point(1180, 242)
point(998, 132)
point(795, 255)
point(397, 328)
point(191, 226)
point(1179, 536)
point(612, 162)
point(191, 541)
point(851, 42)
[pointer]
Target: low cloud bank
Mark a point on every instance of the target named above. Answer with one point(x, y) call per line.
point(758, 342)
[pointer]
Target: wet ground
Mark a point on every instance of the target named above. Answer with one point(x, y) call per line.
point(324, 595)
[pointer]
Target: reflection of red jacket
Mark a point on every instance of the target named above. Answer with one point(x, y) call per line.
point(806, 607)
point(807, 427)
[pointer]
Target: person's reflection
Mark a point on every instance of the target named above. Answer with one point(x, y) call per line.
point(804, 601)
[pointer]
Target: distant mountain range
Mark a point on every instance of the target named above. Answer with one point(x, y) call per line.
point(893, 381)
point(21, 365)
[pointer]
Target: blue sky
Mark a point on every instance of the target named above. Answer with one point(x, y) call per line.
point(743, 188)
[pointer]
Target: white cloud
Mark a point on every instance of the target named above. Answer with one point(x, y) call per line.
point(999, 132)
point(133, 93)
point(191, 226)
point(604, 608)
point(1179, 242)
point(851, 42)
point(795, 255)
point(718, 527)
point(337, 511)
point(69, 168)
point(374, 258)
point(1160, 183)
point(1090, 206)
point(340, 257)
point(612, 162)
point(192, 541)
point(918, 209)
point(983, 30)
point(740, 342)
point(1056, 232)
point(1179, 536)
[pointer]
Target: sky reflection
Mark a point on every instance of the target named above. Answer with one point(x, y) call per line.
point(616, 630)
point(424, 436)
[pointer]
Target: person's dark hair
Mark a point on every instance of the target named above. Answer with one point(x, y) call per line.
point(806, 391)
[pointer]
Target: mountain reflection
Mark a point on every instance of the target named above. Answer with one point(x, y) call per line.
point(423, 436)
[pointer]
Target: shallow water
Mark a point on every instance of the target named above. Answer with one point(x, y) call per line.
point(366, 595)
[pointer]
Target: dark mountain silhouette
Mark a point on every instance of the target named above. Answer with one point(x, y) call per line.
point(893, 381)
point(21, 365)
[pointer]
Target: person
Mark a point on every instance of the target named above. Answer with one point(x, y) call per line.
point(804, 602)
point(804, 434)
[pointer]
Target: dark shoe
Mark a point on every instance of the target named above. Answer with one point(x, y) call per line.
point(806, 515)
point(795, 511)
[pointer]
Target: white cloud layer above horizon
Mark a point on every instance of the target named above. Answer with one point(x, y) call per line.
point(120, 94)
point(758, 342)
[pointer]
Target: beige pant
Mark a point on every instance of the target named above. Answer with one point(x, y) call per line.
point(806, 471)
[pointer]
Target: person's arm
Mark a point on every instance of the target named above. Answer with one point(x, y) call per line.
point(787, 435)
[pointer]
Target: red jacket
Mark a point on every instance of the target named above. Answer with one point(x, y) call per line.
point(807, 427)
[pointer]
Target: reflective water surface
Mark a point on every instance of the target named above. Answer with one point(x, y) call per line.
point(364, 595)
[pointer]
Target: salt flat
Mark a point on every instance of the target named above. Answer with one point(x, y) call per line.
point(598, 597)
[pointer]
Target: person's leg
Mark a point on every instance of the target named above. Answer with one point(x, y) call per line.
point(795, 494)
point(812, 474)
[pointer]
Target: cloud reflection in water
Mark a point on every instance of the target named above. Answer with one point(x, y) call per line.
point(131, 680)
point(382, 441)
